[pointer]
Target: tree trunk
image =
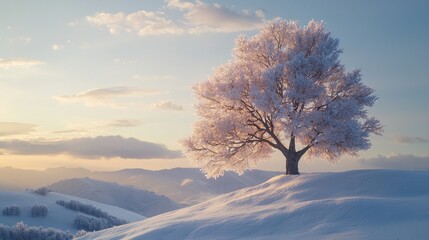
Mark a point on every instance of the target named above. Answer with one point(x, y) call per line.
point(293, 156)
point(292, 164)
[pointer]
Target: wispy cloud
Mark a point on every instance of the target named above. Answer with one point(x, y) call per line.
point(104, 96)
point(153, 77)
point(123, 61)
point(73, 23)
point(91, 148)
point(124, 123)
point(57, 47)
point(98, 127)
point(168, 105)
point(411, 140)
point(397, 162)
point(197, 17)
point(7, 63)
point(15, 128)
point(72, 130)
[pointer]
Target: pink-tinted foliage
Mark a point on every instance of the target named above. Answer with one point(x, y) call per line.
point(283, 88)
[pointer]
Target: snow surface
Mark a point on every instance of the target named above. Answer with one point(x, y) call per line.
point(130, 198)
point(58, 216)
point(362, 204)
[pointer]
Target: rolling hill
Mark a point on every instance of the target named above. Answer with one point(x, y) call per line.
point(130, 198)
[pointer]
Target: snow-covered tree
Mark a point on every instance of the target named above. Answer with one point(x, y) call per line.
point(91, 223)
point(39, 210)
point(285, 89)
point(13, 210)
point(23, 232)
point(104, 219)
point(43, 191)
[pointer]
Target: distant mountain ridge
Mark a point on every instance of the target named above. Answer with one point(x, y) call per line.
point(185, 186)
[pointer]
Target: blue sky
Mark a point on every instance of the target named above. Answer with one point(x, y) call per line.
point(77, 76)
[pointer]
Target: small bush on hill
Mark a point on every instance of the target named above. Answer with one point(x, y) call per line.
point(93, 211)
point(83, 208)
point(91, 223)
point(13, 210)
point(43, 191)
point(39, 210)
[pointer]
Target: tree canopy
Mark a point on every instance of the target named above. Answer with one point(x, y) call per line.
point(283, 89)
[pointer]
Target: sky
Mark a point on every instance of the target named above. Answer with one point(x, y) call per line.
point(107, 84)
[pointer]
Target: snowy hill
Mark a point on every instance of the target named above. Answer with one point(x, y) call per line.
point(186, 186)
point(58, 216)
point(365, 204)
point(136, 200)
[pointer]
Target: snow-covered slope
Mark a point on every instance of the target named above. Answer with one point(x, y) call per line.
point(364, 204)
point(58, 216)
point(136, 200)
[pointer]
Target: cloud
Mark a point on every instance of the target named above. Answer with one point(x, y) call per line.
point(153, 77)
point(102, 93)
point(123, 61)
point(411, 140)
point(91, 148)
point(71, 131)
point(73, 24)
point(143, 23)
point(124, 123)
point(168, 105)
point(197, 17)
point(180, 4)
point(217, 18)
point(103, 96)
point(396, 162)
point(57, 47)
point(18, 62)
point(15, 128)
point(96, 127)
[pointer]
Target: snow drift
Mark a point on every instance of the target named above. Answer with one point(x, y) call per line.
point(363, 204)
